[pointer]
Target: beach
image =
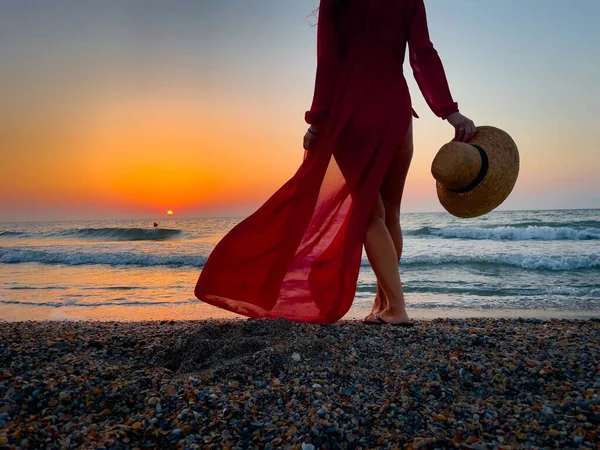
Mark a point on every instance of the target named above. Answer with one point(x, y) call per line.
point(103, 344)
point(473, 383)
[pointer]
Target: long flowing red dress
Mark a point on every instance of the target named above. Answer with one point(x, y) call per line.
point(299, 255)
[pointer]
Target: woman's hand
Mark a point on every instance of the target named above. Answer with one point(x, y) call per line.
point(310, 139)
point(464, 128)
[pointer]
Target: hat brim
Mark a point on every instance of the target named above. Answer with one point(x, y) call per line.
point(503, 170)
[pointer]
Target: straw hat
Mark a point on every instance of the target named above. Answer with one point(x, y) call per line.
point(476, 177)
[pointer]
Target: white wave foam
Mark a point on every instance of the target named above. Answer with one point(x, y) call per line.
point(529, 262)
point(15, 256)
point(571, 291)
point(519, 234)
point(493, 290)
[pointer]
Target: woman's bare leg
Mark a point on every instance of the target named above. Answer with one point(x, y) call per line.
point(391, 194)
point(382, 255)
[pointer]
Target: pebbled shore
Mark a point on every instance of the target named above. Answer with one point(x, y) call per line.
point(468, 384)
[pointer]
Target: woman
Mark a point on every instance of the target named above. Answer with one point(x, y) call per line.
point(340, 30)
point(299, 255)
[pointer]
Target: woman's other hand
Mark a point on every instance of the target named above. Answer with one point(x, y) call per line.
point(464, 128)
point(310, 139)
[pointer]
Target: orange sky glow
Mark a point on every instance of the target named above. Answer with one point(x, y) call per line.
point(133, 117)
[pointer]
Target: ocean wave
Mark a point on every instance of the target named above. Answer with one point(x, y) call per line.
point(11, 233)
point(121, 234)
point(528, 262)
point(16, 256)
point(64, 288)
point(577, 224)
point(35, 288)
point(540, 233)
point(126, 234)
point(89, 304)
point(9, 255)
point(491, 291)
point(108, 234)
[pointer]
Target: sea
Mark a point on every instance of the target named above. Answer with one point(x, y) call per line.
point(537, 264)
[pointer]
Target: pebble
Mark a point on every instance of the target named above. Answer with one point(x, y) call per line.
point(176, 433)
point(548, 410)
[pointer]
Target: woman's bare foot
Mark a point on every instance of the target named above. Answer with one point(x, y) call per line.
point(390, 317)
point(379, 304)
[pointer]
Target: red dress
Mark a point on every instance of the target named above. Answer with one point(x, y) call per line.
point(299, 255)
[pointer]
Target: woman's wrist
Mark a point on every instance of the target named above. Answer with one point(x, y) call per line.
point(453, 114)
point(314, 130)
point(455, 118)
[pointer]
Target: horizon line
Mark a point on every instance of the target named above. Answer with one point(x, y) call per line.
point(154, 218)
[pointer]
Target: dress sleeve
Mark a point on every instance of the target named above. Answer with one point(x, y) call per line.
point(427, 66)
point(328, 55)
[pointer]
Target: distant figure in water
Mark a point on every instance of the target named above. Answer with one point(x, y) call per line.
point(155, 224)
point(299, 255)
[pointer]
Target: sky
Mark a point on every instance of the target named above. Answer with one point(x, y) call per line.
point(126, 109)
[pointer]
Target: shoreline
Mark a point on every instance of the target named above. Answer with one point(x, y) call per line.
point(228, 383)
point(201, 311)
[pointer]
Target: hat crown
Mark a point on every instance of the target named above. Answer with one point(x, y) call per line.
point(475, 178)
point(456, 165)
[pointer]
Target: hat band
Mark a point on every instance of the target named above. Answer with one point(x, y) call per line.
point(480, 176)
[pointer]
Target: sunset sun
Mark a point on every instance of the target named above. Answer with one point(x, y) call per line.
point(169, 213)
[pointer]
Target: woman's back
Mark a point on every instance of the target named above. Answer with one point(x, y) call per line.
point(364, 42)
point(381, 25)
